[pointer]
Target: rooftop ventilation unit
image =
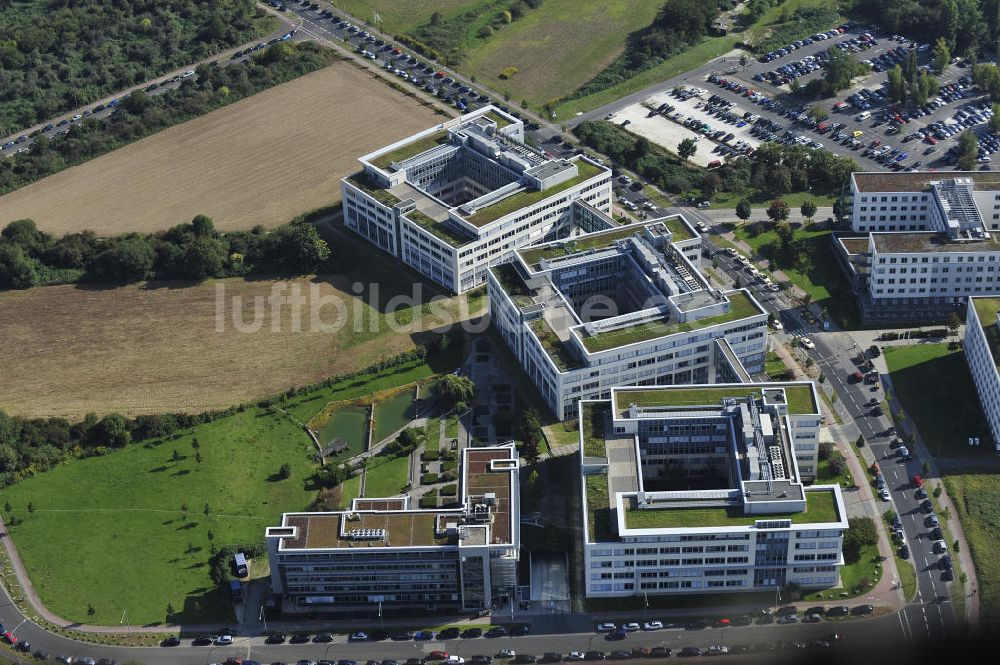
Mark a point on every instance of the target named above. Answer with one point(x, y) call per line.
point(367, 534)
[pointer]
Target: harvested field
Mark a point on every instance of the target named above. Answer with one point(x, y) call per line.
point(155, 348)
point(261, 160)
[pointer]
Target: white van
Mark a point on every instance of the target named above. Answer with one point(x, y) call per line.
point(864, 115)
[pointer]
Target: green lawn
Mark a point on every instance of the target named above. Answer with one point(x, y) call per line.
point(851, 575)
point(976, 495)
point(820, 277)
point(824, 475)
point(387, 478)
point(760, 199)
point(708, 49)
point(558, 47)
point(598, 513)
point(350, 489)
point(509, 204)
point(937, 393)
point(392, 414)
point(111, 532)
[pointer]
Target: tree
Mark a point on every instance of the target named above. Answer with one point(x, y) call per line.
point(197, 457)
point(710, 184)
point(687, 148)
point(204, 257)
point(860, 533)
point(530, 433)
point(897, 85)
point(285, 471)
point(743, 209)
point(170, 611)
point(808, 209)
point(995, 118)
point(941, 56)
point(208, 509)
point(136, 102)
point(955, 546)
point(127, 260)
point(90, 610)
point(839, 70)
point(777, 211)
point(968, 149)
point(17, 269)
point(111, 430)
point(452, 389)
point(176, 456)
point(860, 441)
point(954, 322)
point(203, 226)
point(194, 443)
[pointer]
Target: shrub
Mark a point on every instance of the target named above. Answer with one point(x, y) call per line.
point(508, 73)
point(449, 490)
point(428, 479)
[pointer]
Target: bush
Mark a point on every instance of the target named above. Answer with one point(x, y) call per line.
point(449, 490)
point(428, 479)
point(508, 73)
point(430, 455)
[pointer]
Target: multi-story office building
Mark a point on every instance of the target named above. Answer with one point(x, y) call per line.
point(626, 306)
point(929, 242)
point(700, 489)
point(461, 196)
point(384, 552)
point(982, 342)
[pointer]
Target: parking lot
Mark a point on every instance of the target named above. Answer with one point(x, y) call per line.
point(890, 136)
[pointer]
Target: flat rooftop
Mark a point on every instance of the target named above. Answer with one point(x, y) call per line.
point(908, 242)
point(798, 396)
point(855, 245)
point(742, 306)
point(821, 508)
point(917, 181)
point(413, 528)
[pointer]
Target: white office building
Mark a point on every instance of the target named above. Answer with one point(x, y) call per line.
point(694, 489)
point(929, 242)
point(982, 337)
point(625, 306)
point(384, 553)
point(462, 196)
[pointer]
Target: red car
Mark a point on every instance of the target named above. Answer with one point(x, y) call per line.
point(438, 655)
point(918, 481)
point(9, 638)
point(439, 75)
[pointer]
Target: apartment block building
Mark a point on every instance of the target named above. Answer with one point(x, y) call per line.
point(383, 552)
point(694, 489)
point(624, 306)
point(929, 242)
point(982, 342)
point(463, 195)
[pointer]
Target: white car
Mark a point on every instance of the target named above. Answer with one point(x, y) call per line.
point(717, 650)
point(940, 546)
point(606, 627)
point(883, 494)
point(777, 326)
point(506, 653)
point(630, 627)
point(359, 637)
point(224, 640)
point(652, 625)
point(575, 656)
point(455, 660)
point(188, 73)
point(77, 117)
point(807, 343)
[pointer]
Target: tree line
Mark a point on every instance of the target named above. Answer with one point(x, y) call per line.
point(56, 55)
point(966, 25)
point(140, 115)
point(774, 169)
point(194, 251)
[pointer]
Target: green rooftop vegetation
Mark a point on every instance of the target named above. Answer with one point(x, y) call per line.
point(499, 119)
point(598, 510)
point(523, 199)
point(821, 508)
point(553, 346)
point(678, 229)
point(741, 307)
point(411, 149)
point(372, 189)
point(986, 310)
point(800, 399)
point(681, 396)
point(592, 416)
point(439, 229)
point(512, 283)
point(582, 243)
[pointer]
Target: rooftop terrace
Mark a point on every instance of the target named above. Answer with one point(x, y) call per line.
point(440, 230)
point(534, 255)
point(821, 508)
point(557, 351)
point(373, 189)
point(528, 197)
point(512, 283)
point(741, 307)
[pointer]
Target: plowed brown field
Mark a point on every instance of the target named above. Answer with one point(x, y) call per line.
point(261, 160)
